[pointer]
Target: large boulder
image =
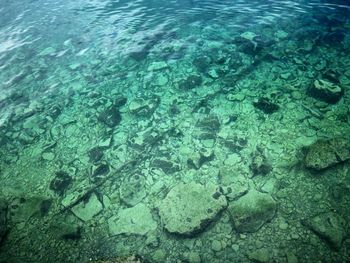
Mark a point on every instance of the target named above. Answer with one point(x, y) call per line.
point(136, 220)
point(328, 226)
point(250, 212)
point(326, 153)
point(326, 91)
point(189, 208)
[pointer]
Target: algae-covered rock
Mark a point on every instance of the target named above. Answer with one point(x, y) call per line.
point(250, 212)
point(167, 166)
point(191, 82)
point(60, 182)
point(86, 210)
point(132, 190)
point(248, 35)
point(144, 107)
point(136, 220)
point(260, 256)
point(326, 91)
point(259, 164)
point(189, 208)
point(326, 153)
point(328, 226)
point(111, 116)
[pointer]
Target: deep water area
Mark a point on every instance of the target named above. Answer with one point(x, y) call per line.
point(174, 131)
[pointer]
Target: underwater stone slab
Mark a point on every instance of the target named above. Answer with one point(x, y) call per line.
point(326, 153)
point(86, 211)
point(328, 226)
point(250, 212)
point(136, 220)
point(189, 208)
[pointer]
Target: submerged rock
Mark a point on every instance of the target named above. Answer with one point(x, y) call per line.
point(191, 82)
point(259, 164)
point(250, 212)
point(99, 172)
point(209, 124)
point(136, 220)
point(167, 166)
point(202, 63)
point(60, 182)
point(144, 107)
point(326, 153)
point(132, 190)
point(326, 91)
point(189, 208)
point(87, 209)
point(328, 226)
point(95, 154)
point(260, 255)
point(111, 117)
point(120, 101)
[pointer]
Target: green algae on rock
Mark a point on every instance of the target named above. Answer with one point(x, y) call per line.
point(326, 153)
point(328, 226)
point(326, 91)
point(136, 220)
point(251, 211)
point(189, 208)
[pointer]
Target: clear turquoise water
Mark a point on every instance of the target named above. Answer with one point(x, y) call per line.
point(110, 105)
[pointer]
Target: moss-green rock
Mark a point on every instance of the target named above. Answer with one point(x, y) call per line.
point(189, 208)
point(252, 211)
point(329, 227)
point(260, 256)
point(326, 153)
point(136, 220)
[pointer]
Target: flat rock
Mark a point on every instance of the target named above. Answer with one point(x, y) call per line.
point(136, 220)
point(87, 210)
point(250, 212)
point(328, 226)
point(189, 208)
point(326, 153)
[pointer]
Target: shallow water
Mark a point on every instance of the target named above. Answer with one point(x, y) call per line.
point(174, 131)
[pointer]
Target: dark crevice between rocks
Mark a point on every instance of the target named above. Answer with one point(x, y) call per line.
point(266, 106)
